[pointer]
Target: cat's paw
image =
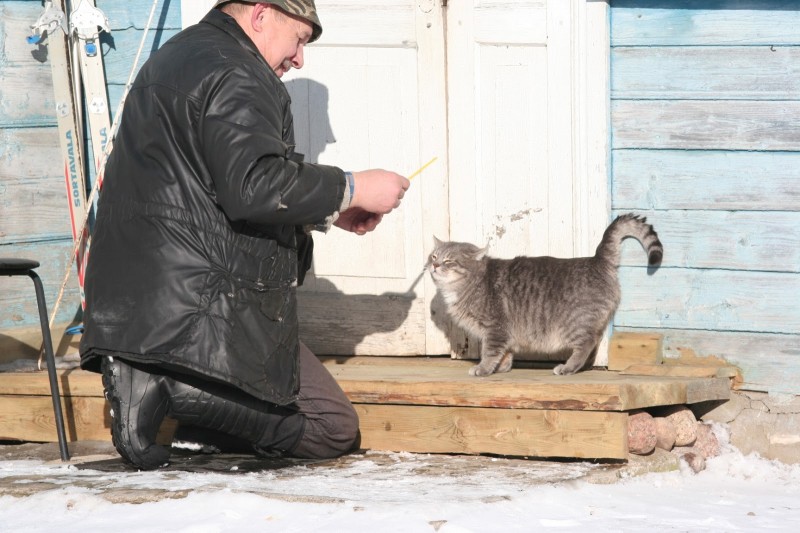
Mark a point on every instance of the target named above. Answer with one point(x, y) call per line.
point(477, 370)
point(563, 370)
point(505, 364)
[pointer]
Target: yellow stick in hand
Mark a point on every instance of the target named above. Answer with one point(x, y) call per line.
point(423, 167)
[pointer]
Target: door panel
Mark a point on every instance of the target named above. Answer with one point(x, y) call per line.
point(508, 121)
point(519, 163)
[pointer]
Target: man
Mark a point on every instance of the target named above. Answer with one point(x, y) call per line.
point(202, 237)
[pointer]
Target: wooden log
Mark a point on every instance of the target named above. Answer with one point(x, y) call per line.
point(519, 432)
point(626, 349)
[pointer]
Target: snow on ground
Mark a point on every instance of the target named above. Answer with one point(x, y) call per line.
point(400, 492)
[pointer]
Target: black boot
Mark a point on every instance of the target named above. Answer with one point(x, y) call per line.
point(139, 402)
point(270, 429)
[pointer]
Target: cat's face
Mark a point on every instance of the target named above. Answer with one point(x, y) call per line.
point(450, 262)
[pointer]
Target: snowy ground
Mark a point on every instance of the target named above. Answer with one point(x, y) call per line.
point(400, 492)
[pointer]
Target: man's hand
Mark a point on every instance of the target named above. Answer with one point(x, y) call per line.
point(358, 220)
point(378, 191)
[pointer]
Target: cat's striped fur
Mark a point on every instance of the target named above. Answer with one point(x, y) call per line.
point(536, 304)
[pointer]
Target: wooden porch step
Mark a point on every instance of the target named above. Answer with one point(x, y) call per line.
point(421, 405)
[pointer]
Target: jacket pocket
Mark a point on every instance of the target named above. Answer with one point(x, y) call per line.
point(273, 304)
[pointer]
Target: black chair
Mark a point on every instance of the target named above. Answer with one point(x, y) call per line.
point(24, 267)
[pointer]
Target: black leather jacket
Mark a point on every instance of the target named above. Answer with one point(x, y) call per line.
point(193, 264)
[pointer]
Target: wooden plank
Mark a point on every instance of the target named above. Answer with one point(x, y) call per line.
point(15, 23)
point(72, 384)
point(682, 371)
point(681, 298)
point(519, 389)
point(689, 124)
point(134, 13)
point(626, 349)
point(701, 390)
point(17, 296)
point(766, 241)
point(706, 73)
point(708, 180)
point(30, 418)
point(520, 432)
point(19, 106)
point(441, 426)
point(428, 362)
point(421, 382)
point(640, 393)
point(712, 22)
point(768, 362)
point(24, 342)
point(32, 192)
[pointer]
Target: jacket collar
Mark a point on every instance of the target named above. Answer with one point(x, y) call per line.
point(228, 24)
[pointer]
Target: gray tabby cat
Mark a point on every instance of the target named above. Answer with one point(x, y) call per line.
point(536, 304)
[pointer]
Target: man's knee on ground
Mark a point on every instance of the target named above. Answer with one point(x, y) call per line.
point(329, 437)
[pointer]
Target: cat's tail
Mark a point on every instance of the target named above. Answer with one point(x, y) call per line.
point(630, 225)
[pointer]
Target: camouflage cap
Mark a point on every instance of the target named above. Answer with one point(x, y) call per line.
point(305, 9)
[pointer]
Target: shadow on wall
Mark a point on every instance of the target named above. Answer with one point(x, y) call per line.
point(334, 323)
point(312, 126)
point(331, 322)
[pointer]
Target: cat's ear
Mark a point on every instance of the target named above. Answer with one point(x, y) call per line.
point(480, 253)
point(436, 242)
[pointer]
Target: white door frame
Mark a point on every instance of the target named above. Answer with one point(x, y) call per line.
point(592, 49)
point(591, 57)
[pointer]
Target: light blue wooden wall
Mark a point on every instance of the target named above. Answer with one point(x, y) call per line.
point(34, 221)
point(705, 120)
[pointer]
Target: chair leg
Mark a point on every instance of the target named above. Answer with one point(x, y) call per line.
point(51, 365)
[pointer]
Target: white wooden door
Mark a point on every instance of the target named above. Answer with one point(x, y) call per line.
point(372, 94)
point(513, 100)
point(527, 112)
